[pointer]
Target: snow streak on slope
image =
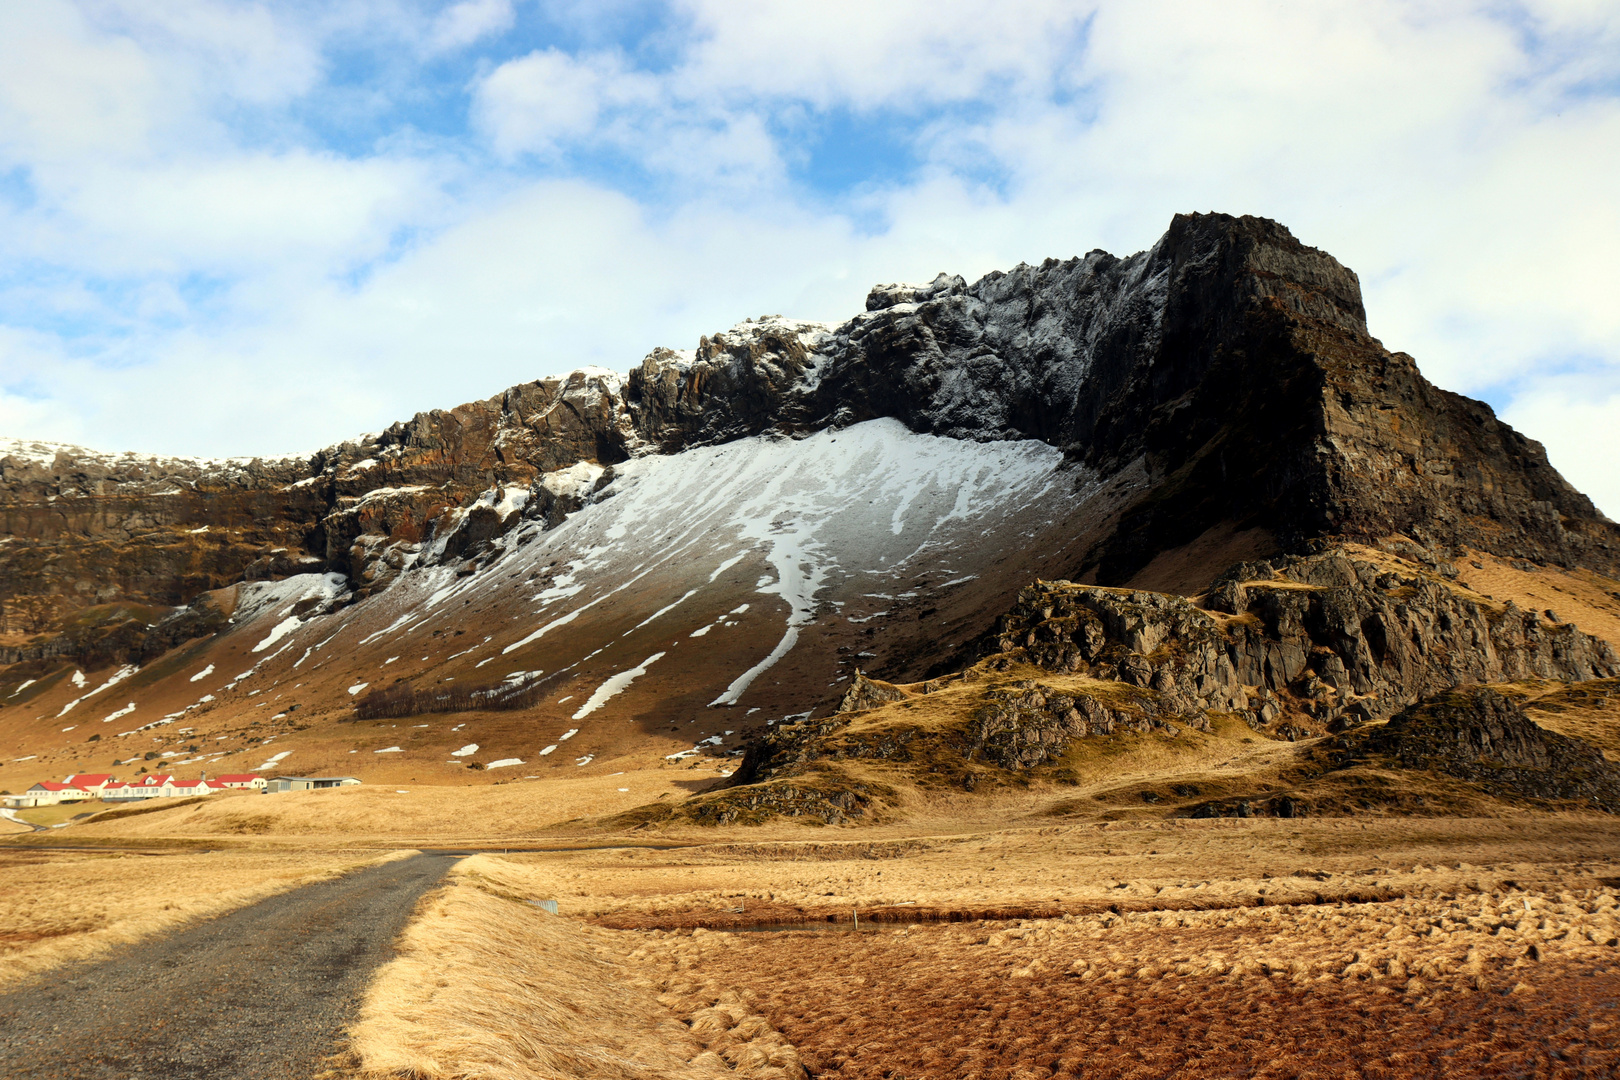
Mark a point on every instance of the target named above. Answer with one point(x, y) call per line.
point(817, 522)
point(869, 499)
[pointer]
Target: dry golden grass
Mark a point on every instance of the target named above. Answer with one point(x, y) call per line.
point(1209, 864)
point(409, 812)
point(1239, 948)
point(60, 907)
point(488, 986)
point(1578, 596)
point(1589, 711)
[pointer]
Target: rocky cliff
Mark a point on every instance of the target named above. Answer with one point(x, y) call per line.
point(1221, 383)
point(1297, 646)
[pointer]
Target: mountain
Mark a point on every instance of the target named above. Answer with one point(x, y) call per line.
point(606, 568)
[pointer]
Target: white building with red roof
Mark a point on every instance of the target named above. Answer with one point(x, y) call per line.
point(198, 786)
point(92, 782)
point(152, 786)
point(83, 786)
point(49, 793)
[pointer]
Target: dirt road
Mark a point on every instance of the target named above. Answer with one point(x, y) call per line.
point(264, 991)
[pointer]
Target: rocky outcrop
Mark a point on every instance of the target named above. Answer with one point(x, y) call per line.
point(1027, 724)
point(1017, 726)
point(1481, 736)
point(1296, 647)
point(1222, 380)
point(865, 693)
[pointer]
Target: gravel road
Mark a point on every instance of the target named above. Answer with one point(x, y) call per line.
point(264, 991)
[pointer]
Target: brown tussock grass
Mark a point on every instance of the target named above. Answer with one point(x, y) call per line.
point(57, 908)
point(486, 985)
point(1505, 983)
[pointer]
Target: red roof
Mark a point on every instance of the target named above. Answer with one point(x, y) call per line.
point(237, 778)
point(52, 785)
point(89, 779)
point(188, 783)
point(155, 779)
point(217, 785)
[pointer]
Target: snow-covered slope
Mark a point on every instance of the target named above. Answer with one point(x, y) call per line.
point(692, 599)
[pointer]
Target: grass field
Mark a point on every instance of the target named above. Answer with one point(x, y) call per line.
point(55, 815)
point(388, 814)
point(57, 907)
point(1254, 948)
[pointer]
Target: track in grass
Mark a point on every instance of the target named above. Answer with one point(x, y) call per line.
point(264, 991)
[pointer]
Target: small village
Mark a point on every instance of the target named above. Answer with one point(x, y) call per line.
point(81, 787)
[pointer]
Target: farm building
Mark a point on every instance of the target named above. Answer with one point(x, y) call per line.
point(306, 783)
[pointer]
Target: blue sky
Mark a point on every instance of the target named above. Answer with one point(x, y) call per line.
point(237, 228)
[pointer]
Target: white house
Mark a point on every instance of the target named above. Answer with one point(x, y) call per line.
point(116, 790)
point(91, 782)
point(191, 787)
point(48, 793)
point(152, 786)
point(83, 786)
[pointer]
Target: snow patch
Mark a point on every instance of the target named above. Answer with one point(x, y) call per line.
point(277, 632)
point(117, 677)
point(614, 686)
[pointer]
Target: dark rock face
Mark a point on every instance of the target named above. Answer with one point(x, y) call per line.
point(1479, 735)
point(1323, 640)
point(1224, 378)
point(1230, 362)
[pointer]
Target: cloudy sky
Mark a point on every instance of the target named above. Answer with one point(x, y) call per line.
point(240, 228)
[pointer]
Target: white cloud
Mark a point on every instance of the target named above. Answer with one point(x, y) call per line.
point(1581, 431)
point(899, 53)
point(247, 212)
point(531, 103)
point(463, 24)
